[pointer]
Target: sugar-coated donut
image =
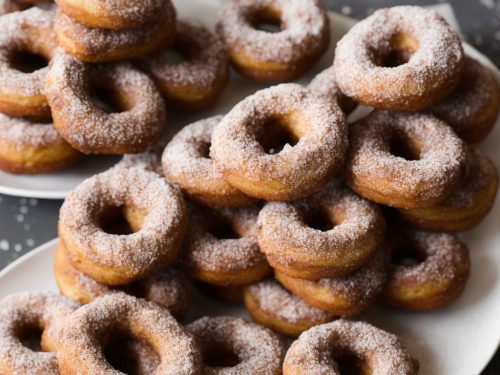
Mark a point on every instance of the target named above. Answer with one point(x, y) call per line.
point(104, 45)
point(113, 14)
point(186, 162)
point(273, 306)
point(467, 205)
point(92, 326)
point(336, 347)
point(403, 58)
point(267, 56)
point(221, 247)
point(233, 346)
point(472, 108)
point(154, 209)
point(27, 147)
point(404, 160)
point(168, 287)
point(436, 280)
point(22, 77)
point(24, 314)
point(311, 130)
point(343, 229)
point(344, 296)
point(197, 81)
point(135, 124)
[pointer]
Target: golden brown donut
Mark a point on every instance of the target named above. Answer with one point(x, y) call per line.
point(92, 326)
point(343, 229)
point(281, 56)
point(467, 205)
point(404, 58)
point(154, 209)
point(345, 347)
point(186, 162)
point(22, 316)
point(134, 122)
point(27, 43)
point(197, 80)
point(404, 160)
point(281, 143)
point(428, 270)
point(27, 147)
point(221, 247)
point(273, 306)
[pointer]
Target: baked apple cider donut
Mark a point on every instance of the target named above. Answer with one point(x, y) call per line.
point(404, 160)
point(154, 209)
point(263, 55)
point(281, 143)
point(104, 109)
point(403, 58)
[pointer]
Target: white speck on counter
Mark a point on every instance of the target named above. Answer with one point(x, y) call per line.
point(33, 202)
point(23, 201)
point(346, 9)
point(20, 218)
point(30, 242)
point(4, 245)
point(27, 227)
point(18, 247)
point(23, 209)
point(490, 4)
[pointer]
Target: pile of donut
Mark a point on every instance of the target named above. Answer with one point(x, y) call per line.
point(280, 204)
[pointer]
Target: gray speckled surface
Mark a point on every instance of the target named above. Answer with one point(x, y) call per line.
point(27, 223)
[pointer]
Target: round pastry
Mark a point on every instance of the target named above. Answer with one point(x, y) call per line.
point(343, 229)
point(325, 84)
point(336, 347)
point(186, 162)
point(467, 205)
point(27, 43)
point(104, 45)
point(403, 58)
point(273, 306)
point(168, 287)
point(22, 316)
point(264, 55)
point(92, 326)
point(428, 270)
point(28, 148)
point(233, 346)
point(404, 160)
point(281, 143)
point(198, 79)
point(221, 247)
point(133, 123)
point(345, 296)
point(131, 356)
point(114, 14)
point(154, 209)
point(472, 108)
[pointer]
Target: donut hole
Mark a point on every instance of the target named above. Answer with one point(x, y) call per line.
point(124, 354)
point(267, 20)
point(175, 55)
point(218, 356)
point(27, 61)
point(400, 145)
point(351, 364)
point(401, 48)
point(106, 99)
point(31, 337)
point(119, 220)
point(222, 229)
point(406, 255)
point(204, 149)
point(281, 133)
point(320, 220)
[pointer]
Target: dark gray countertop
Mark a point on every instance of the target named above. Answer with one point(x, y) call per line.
point(27, 223)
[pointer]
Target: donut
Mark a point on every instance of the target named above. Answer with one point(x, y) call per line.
point(199, 78)
point(28, 147)
point(221, 247)
point(186, 163)
point(105, 45)
point(472, 108)
point(343, 229)
point(428, 270)
point(92, 326)
point(404, 160)
point(133, 123)
point(281, 143)
point(342, 347)
point(168, 287)
point(22, 316)
point(325, 84)
point(467, 206)
point(131, 356)
point(345, 296)
point(273, 306)
point(27, 43)
point(114, 14)
point(266, 56)
point(404, 58)
point(154, 209)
